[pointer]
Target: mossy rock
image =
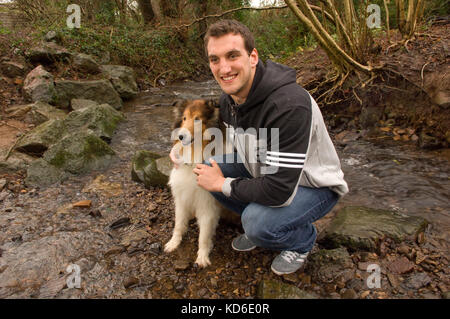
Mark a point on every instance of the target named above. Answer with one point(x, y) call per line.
point(362, 228)
point(79, 153)
point(38, 140)
point(102, 120)
point(326, 266)
point(150, 168)
point(275, 289)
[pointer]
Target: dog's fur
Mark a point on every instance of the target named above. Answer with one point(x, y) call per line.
point(190, 199)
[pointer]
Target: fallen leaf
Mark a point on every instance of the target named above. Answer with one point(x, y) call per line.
point(385, 129)
point(83, 203)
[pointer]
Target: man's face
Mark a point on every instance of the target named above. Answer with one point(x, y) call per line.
point(231, 65)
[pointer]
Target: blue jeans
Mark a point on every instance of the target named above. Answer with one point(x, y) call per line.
point(278, 228)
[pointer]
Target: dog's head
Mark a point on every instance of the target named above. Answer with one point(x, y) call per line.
point(188, 112)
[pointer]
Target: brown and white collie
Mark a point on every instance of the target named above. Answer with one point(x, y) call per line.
point(190, 199)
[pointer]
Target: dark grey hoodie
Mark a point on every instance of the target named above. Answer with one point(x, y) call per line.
point(294, 150)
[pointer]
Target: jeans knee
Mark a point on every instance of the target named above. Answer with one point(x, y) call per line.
point(253, 227)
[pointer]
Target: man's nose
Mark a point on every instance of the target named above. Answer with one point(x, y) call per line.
point(224, 67)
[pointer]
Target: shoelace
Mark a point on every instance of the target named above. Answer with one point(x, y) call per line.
point(290, 256)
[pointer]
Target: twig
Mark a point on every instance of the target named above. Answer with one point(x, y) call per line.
point(357, 97)
point(156, 79)
point(421, 72)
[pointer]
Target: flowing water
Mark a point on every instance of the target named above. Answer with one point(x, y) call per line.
point(398, 177)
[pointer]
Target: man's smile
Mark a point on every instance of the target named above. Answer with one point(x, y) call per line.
point(228, 78)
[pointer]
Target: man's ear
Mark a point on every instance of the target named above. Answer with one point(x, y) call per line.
point(254, 57)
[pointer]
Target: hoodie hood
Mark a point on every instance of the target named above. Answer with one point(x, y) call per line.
point(268, 78)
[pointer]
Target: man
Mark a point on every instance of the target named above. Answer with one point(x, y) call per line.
point(294, 178)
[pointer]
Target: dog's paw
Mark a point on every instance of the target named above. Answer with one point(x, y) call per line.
point(203, 260)
point(171, 245)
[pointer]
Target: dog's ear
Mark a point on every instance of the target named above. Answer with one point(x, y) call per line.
point(179, 107)
point(212, 103)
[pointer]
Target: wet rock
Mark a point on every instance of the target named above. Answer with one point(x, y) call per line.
point(326, 266)
point(134, 236)
point(37, 262)
point(428, 141)
point(38, 140)
point(86, 63)
point(364, 228)
point(122, 222)
point(41, 173)
point(181, 264)
point(122, 78)
point(275, 289)
point(101, 120)
point(130, 282)
point(100, 91)
point(39, 86)
point(12, 69)
point(349, 294)
point(47, 53)
point(416, 281)
point(400, 265)
point(16, 162)
point(79, 153)
point(150, 168)
point(155, 248)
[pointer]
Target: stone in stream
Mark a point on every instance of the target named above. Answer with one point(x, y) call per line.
point(41, 173)
point(362, 228)
point(151, 168)
point(100, 91)
point(327, 266)
point(275, 289)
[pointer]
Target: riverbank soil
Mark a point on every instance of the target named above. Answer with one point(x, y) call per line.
point(114, 229)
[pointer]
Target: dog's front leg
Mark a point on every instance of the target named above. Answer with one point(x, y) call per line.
point(207, 223)
point(181, 225)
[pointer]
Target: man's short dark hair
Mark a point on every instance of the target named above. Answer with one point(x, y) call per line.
point(224, 27)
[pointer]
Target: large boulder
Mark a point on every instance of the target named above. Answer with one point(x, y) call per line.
point(362, 228)
point(48, 53)
point(38, 140)
point(86, 63)
point(100, 91)
point(39, 86)
point(151, 169)
point(101, 119)
point(122, 78)
point(79, 153)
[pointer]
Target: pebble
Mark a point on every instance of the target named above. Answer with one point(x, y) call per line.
point(182, 264)
point(130, 282)
point(349, 294)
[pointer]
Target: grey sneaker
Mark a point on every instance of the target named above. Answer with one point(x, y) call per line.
point(242, 243)
point(288, 262)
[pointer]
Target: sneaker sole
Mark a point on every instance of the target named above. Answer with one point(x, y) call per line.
point(301, 269)
point(248, 249)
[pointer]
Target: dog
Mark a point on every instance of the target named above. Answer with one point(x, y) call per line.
point(190, 199)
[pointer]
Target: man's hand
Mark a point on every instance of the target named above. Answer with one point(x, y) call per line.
point(175, 155)
point(209, 178)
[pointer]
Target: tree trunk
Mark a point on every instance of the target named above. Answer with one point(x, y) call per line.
point(156, 6)
point(146, 10)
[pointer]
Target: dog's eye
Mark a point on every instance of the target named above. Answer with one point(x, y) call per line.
point(196, 118)
point(184, 118)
